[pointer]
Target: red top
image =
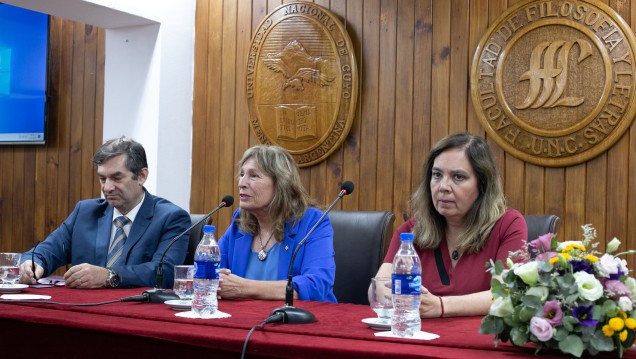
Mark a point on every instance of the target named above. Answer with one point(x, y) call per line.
point(510, 233)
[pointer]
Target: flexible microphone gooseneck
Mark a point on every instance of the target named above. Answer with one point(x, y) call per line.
point(158, 295)
point(289, 313)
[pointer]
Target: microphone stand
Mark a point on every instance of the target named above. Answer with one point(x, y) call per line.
point(289, 313)
point(158, 294)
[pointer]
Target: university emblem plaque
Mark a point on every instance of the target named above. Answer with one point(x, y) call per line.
point(302, 81)
point(553, 81)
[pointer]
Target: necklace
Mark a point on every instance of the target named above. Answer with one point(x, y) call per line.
point(455, 255)
point(262, 255)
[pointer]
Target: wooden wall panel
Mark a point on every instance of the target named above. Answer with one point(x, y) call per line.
point(40, 184)
point(414, 60)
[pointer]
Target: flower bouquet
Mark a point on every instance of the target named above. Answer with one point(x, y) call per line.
point(567, 297)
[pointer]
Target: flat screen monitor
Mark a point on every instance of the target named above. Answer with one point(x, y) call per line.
point(23, 75)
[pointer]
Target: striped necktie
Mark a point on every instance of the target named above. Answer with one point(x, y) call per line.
point(117, 246)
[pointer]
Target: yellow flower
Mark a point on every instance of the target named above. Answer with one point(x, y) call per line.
point(566, 256)
point(630, 323)
point(608, 331)
point(622, 314)
point(573, 246)
point(623, 336)
point(617, 324)
point(591, 258)
point(553, 260)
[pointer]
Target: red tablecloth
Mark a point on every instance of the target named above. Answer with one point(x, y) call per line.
point(144, 327)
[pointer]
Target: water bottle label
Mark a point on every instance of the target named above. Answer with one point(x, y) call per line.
point(406, 283)
point(207, 269)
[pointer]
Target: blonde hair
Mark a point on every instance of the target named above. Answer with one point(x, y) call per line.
point(290, 199)
point(489, 206)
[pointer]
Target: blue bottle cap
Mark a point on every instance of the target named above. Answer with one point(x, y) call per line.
point(209, 229)
point(408, 237)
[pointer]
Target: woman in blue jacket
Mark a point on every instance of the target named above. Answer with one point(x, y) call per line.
point(274, 215)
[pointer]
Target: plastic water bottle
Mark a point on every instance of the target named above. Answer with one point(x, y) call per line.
point(406, 280)
point(207, 260)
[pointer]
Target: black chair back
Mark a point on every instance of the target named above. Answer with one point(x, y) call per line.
point(195, 236)
point(360, 240)
point(539, 225)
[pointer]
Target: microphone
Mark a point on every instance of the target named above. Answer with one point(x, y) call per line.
point(288, 312)
point(157, 295)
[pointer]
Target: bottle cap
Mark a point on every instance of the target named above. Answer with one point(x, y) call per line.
point(209, 229)
point(408, 237)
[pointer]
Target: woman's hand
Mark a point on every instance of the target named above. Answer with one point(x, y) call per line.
point(230, 285)
point(430, 306)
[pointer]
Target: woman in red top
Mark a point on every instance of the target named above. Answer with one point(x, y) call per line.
point(460, 222)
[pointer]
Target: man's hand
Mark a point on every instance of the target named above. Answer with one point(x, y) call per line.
point(27, 276)
point(86, 276)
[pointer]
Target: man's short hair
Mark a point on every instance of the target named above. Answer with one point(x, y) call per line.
point(134, 151)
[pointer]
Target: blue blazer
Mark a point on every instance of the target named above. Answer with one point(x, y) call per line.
point(314, 269)
point(85, 235)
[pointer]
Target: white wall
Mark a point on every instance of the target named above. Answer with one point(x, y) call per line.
point(149, 73)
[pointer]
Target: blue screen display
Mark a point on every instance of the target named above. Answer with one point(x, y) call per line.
point(23, 59)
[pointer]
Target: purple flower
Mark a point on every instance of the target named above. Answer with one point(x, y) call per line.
point(584, 314)
point(617, 289)
point(542, 244)
point(541, 329)
point(581, 266)
point(552, 312)
point(546, 256)
point(617, 275)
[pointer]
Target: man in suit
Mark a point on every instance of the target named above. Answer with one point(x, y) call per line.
point(115, 241)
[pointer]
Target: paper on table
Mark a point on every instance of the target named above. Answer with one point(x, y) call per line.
point(190, 314)
point(52, 280)
point(418, 336)
point(24, 296)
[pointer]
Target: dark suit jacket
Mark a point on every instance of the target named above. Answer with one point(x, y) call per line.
point(85, 235)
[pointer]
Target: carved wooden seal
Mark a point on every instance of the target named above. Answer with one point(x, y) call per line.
point(302, 81)
point(553, 81)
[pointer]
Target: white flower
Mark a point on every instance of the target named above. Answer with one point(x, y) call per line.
point(539, 291)
point(501, 307)
point(631, 285)
point(608, 265)
point(625, 304)
point(589, 287)
point(561, 246)
point(622, 264)
point(528, 272)
point(613, 245)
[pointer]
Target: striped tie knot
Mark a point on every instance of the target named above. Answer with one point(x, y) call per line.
point(121, 221)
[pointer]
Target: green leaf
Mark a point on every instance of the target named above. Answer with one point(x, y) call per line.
point(602, 343)
point(497, 288)
point(562, 262)
point(499, 267)
point(609, 308)
point(518, 336)
point(572, 344)
point(509, 277)
point(491, 325)
point(569, 322)
point(532, 302)
point(545, 267)
point(553, 243)
point(527, 313)
point(560, 334)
